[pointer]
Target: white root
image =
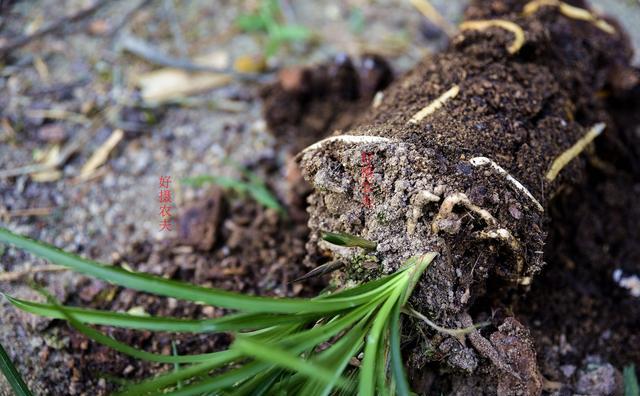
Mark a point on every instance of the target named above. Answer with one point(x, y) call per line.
point(451, 202)
point(418, 201)
point(435, 105)
point(493, 231)
point(481, 161)
point(432, 14)
point(570, 12)
point(517, 31)
point(349, 139)
point(573, 151)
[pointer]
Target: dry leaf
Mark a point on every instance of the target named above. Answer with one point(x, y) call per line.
point(100, 156)
point(168, 83)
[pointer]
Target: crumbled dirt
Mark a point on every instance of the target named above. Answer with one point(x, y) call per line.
point(522, 111)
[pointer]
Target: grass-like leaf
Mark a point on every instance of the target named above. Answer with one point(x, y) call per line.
point(255, 188)
point(235, 322)
point(175, 289)
point(631, 387)
point(282, 358)
point(11, 374)
point(367, 371)
point(282, 346)
point(348, 240)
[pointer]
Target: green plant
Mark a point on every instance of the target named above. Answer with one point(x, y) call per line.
point(267, 20)
point(631, 387)
point(348, 240)
point(255, 187)
point(281, 345)
point(11, 374)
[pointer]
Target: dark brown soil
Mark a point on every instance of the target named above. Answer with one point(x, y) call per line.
point(522, 111)
point(306, 103)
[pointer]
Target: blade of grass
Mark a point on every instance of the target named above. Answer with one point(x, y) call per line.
point(631, 387)
point(416, 266)
point(183, 374)
point(222, 181)
point(217, 382)
point(175, 289)
point(283, 358)
point(234, 322)
point(11, 374)
point(260, 384)
point(397, 365)
point(124, 348)
point(381, 363)
point(336, 358)
point(367, 370)
point(348, 240)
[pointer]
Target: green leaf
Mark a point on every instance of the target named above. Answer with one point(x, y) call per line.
point(397, 364)
point(173, 378)
point(367, 370)
point(175, 289)
point(631, 387)
point(256, 189)
point(11, 374)
point(235, 322)
point(290, 33)
point(417, 266)
point(131, 351)
point(264, 197)
point(260, 384)
point(222, 181)
point(251, 23)
point(381, 364)
point(348, 240)
point(283, 358)
point(217, 382)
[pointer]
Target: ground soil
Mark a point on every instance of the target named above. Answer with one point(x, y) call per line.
point(590, 321)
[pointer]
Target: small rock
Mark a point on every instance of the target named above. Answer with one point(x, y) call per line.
point(52, 133)
point(514, 343)
point(599, 380)
point(515, 212)
point(568, 370)
point(198, 224)
point(295, 79)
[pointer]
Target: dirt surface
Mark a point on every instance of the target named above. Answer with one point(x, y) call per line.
point(113, 217)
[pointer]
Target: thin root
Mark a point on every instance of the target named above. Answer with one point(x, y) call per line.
point(457, 333)
point(518, 41)
point(451, 202)
point(418, 201)
point(430, 12)
point(486, 348)
point(493, 231)
point(563, 159)
point(481, 161)
point(435, 105)
point(570, 12)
